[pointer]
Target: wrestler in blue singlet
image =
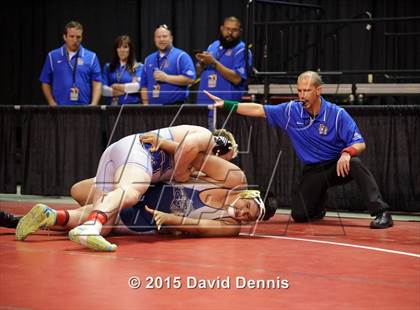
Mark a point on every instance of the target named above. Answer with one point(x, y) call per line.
point(180, 199)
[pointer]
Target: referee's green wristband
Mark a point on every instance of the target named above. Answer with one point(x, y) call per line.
point(230, 105)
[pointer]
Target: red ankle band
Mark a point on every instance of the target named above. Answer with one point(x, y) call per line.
point(98, 216)
point(62, 218)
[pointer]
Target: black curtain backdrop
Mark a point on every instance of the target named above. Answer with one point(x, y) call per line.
point(62, 146)
point(9, 124)
point(32, 28)
point(130, 120)
point(58, 147)
point(336, 47)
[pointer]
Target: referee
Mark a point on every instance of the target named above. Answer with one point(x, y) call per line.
point(326, 139)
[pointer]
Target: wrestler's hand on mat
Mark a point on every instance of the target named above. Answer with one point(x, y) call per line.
point(153, 139)
point(343, 165)
point(218, 103)
point(159, 217)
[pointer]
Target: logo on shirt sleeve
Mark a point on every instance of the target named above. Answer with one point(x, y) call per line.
point(357, 136)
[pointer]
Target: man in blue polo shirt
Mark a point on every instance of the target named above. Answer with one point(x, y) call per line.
point(223, 66)
point(71, 74)
point(167, 72)
point(326, 139)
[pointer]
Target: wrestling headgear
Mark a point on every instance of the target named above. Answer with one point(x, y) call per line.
point(222, 147)
point(250, 194)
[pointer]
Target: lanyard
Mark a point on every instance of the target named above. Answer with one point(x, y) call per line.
point(120, 73)
point(220, 52)
point(73, 68)
point(164, 57)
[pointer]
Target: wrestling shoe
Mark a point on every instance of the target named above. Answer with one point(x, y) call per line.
point(40, 216)
point(8, 220)
point(382, 220)
point(90, 238)
point(319, 215)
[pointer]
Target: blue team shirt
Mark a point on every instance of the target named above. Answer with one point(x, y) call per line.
point(233, 59)
point(174, 62)
point(121, 75)
point(315, 140)
point(58, 73)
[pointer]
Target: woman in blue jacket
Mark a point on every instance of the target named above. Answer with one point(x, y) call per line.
point(121, 77)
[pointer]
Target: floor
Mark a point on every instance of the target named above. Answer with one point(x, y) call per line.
point(337, 263)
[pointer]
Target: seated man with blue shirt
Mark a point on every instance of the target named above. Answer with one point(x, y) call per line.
point(167, 72)
point(71, 74)
point(326, 139)
point(223, 66)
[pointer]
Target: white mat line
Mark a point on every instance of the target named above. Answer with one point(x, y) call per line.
point(339, 244)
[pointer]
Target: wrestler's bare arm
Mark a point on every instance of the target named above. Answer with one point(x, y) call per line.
point(198, 227)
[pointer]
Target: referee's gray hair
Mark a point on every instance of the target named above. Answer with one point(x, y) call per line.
point(314, 77)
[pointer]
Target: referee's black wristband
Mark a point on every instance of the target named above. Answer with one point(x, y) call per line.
point(230, 105)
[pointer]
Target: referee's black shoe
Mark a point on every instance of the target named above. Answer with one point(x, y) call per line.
point(382, 220)
point(8, 220)
point(319, 215)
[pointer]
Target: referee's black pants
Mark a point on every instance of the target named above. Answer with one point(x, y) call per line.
point(310, 195)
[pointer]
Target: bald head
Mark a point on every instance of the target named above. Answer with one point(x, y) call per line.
point(163, 38)
point(312, 77)
point(309, 86)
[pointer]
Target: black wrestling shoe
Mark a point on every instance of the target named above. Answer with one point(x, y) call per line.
point(382, 220)
point(8, 220)
point(319, 216)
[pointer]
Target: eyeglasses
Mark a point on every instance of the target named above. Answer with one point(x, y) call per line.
point(164, 26)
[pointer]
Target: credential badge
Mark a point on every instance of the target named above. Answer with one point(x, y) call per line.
point(323, 130)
